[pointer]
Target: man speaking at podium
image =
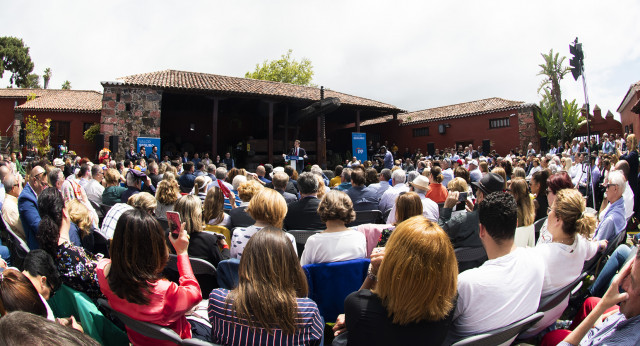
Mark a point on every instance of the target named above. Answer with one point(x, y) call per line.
point(300, 152)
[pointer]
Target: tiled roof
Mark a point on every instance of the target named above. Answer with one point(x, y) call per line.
point(460, 110)
point(629, 95)
point(20, 93)
point(181, 80)
point(62, 101)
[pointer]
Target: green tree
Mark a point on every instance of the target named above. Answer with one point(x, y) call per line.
point(14, 57)
point(285, 70)
point(33, 81)
point(38, 133)
point(90, 134)
point(553, 71)
point(46, 77)
point(66, 85)
point(549, 123)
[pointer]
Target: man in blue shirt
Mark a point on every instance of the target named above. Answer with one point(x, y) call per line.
point(388, 158)
point(613, 221)
point(187, 179)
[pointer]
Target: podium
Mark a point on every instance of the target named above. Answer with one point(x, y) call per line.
point(293, 161)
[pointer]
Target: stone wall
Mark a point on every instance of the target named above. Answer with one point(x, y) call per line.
point(528, 129)
point(130, 113)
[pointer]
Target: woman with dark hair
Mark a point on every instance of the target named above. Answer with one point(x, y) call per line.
point(526, 209)
point(508, 168)
point(406, 299)
point(539, 189)
point(132, 279)
point(17, 293)
point(213, 210)
point(437, 192)
point(555, 184)
point(408, 205)
point(56, 236)
point(23, 328)
point(371, 176)
point(269, 305)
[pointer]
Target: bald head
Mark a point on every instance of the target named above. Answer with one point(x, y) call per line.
point(4, 171)
point(38, 179)
point(261, 171)
point(623, 166)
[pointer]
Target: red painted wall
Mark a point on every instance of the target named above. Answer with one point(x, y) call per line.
point(76, 141)
point(472, 129)
point(6, 113)
point(628, 118)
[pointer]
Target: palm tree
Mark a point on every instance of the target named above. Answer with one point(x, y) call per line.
point(553, 70)
point(46, 77)
point(66, 85)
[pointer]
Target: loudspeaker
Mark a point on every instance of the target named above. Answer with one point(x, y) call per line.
point(543, 144)
point(99, 140)
point(113, 145)
point(486, 146)
point(431, 148)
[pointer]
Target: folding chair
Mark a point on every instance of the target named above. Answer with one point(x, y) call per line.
point(593, 266)
point(219, 229)
point(105, 208)
point(301, 238)
point(98, 210)
point(501, 336)
point(322, 279)
point(204, 271)
point(537, 226)
point(366, 216)
point(18, 247)
point(151, 330)
point(100, 244)
point(470, 257)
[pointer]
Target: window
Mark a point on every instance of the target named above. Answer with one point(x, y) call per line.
point(421, 132)
point(626, 128)
point(86, 126)
point(497, 123)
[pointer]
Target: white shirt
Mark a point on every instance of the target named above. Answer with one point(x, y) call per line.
point(430, 210)
point(226, 221)
point(334, 247)
point(94, 191)
point(501, 291)
point(388, 198)
point(448, 176)
point(241, 236)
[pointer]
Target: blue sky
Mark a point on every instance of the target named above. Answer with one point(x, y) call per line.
point(412, 54)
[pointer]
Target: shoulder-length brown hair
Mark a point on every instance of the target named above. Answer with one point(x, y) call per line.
point(336, 205)
point(167, 192)
point(526, 209)
point(408, 205)
point(17, 293)
point(269, 281)
point(139, 253)
point(190, 209)
point(214, 205)
point(417, 279)
point(269, 206)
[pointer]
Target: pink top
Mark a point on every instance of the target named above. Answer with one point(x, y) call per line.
point(168, 302)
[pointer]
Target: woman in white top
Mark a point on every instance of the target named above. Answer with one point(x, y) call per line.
point(268, 208)
point(569, 248)
point(214, 208)
point(337, 242)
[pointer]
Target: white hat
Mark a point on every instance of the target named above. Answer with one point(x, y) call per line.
point(474, 162)
point(58, 162)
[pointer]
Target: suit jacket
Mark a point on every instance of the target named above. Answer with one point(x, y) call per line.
point(29, 215)
point(299, 163)
point(240, 218)
point(288, 197)
point(303, 215)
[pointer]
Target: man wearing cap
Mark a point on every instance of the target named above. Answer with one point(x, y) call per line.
point(474, 171)
point(463, 228)
point(419, 185)
point(28, 205)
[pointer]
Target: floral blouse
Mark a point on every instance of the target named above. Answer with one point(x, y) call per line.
point(78, 269)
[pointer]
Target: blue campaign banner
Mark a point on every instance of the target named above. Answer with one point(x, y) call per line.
point(359, 145)
point(148, 142)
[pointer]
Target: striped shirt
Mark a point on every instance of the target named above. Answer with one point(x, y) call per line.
point(227, 330)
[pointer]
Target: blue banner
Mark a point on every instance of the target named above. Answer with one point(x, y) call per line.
point(359, 145)
point(148, 142)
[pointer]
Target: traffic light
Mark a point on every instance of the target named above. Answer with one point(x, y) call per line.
point(577, 62)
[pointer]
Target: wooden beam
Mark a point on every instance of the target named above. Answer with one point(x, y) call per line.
point(214, 132)
point(358, 120)
point(270, 141)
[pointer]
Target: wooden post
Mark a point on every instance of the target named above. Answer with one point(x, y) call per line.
point(270, 141)
point(358, 120)
point(214, 132)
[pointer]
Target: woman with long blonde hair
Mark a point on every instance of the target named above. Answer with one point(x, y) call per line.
point(526, 209)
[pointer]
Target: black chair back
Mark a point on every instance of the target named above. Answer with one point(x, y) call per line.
point(204, 271)
point(470, 257)
point(17, 247)
point(504, 335)
point(593, 266)
point(98, 209)
point(301, 238)
point(366, 216)
point(552, 300)
point(100, 244)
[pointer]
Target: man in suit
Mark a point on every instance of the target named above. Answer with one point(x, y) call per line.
point(297, 151)
point(28, 205)
point(280, 180)
point(303, 214)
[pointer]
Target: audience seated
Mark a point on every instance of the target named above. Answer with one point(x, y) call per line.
point(239, 216)
point(407, 301)
point(437, 192)
point(167, 194)
point(203, 245)
point(270, 302)
point(23, 328)
point(135, 180)
point(564, 257)
point(613, 221)
point(200, 186)
point(40, 269)
point(112, 194)
point(268, 208)
point(213, 209)
point(508, 286)
point(94, 188)
point(10, 213)
point(17, 293)
point(616, 261)
point(555, 183)
point(132, 279)
point(337, 242)
point(362, 197)
point(303, 214)
point(408, 205)
point(430, 210)
point(143, 200)
point(526, 210)
point(80, 218)
point(187, 179)
point(280, 180)
point(336, 180)
point(345, 180)
point(388, 198)
point(76, 266)
point(28, 205)
point(384, 181)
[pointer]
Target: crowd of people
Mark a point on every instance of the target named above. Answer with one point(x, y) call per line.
point(102, 229)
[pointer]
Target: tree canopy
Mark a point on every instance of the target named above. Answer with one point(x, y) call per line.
point(14, 57)
point(46, 77)
point(66, 85)
point(285, 70)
